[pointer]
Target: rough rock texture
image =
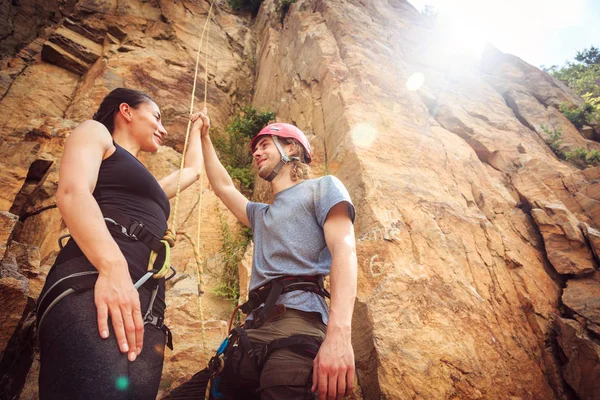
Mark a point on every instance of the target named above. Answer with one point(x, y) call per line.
point(582, 370)
point(456, 294)
point(582, 296)
point(565, 243)
point(468, 226)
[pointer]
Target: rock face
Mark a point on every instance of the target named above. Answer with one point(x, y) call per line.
point(477, 246)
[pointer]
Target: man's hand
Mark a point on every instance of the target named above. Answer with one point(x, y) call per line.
point(200, 122)
point(333, 368)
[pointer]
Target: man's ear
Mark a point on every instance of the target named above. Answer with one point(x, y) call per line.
point(289, 149)
point(125, 111)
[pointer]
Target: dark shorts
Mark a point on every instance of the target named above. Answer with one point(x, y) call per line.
point(286, 374)
point(76, 363)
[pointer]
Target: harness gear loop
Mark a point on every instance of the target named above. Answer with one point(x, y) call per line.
point(155, 258)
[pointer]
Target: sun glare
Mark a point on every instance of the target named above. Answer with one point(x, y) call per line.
point(513, 26)
point(415, 81)
point(364, 134)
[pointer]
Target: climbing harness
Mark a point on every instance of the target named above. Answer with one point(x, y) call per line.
point(270, 292)
point(261, 304)
point(158, 267)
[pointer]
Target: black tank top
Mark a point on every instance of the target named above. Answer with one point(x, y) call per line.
point(126, 185)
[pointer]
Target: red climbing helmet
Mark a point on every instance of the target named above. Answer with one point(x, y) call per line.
point(283, 130)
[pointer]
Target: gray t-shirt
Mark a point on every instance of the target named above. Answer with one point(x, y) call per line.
point(289, 237)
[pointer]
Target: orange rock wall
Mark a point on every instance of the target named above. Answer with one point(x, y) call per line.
point(478, 248)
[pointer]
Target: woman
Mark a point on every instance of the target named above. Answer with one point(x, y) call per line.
point(95, 343)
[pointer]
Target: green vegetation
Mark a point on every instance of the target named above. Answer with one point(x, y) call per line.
point(245, 5)
point(583, 158)
point(580, 116)
point(555, 139)
point(283, 6)
point(579, 157)
point(253, 6)
point(234, 146)
point(233, 250)
point(582, 77)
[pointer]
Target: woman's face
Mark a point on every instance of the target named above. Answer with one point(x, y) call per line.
point(147, 126)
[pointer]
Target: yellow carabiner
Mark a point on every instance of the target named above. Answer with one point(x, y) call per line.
point(164, 269)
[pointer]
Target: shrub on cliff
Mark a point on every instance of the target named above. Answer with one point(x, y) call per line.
point(582, 158)
point(582, 77)
point(283, 6)
point(245, 5)
point(253, 6)
point(580, 116)
point(232, 251)
point(579, 157)
point(233, 146)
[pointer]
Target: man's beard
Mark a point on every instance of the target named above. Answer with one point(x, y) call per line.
point(265, 171)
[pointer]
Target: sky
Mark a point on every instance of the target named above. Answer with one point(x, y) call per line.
point(541, 32)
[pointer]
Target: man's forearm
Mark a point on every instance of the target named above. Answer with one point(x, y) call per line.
point(343, 291)
point(217, 174)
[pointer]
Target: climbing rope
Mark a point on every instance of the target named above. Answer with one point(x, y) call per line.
point(174, 221)
point(172, 233)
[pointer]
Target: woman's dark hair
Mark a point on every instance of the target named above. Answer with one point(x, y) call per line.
point(110, 105)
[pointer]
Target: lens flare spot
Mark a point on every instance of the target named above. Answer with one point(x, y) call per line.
point(159, 349)
point(415, 81)
point(122, 383)
point(364, 134)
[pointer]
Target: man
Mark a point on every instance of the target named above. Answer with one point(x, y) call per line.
point(305, 234)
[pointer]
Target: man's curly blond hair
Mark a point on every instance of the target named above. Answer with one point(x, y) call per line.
point(299, 170)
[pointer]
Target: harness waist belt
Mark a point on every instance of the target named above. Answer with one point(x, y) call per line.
point(270, 292)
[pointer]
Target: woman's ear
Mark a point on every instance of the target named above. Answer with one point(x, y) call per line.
point(125, 111)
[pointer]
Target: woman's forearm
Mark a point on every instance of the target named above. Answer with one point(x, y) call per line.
point(193, 156)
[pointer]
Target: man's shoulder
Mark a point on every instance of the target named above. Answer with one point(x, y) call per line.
point(325, 181)
point(329, 183)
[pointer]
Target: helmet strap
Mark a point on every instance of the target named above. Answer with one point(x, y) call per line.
point(284, 160)
point(284, 157)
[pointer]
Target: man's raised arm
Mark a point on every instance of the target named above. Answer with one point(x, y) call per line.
point(218, 177)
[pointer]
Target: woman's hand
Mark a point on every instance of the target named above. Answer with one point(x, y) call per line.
point(200, 122)
point(115, 295)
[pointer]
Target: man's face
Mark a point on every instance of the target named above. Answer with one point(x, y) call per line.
point(266, 156)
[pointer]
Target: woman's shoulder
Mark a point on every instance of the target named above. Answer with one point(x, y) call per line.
point(90, 135)
point(92, 127)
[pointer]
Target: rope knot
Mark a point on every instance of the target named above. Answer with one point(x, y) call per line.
point(170, 237)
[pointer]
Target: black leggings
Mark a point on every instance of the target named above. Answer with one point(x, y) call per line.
point(76, 363)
